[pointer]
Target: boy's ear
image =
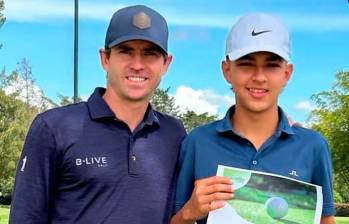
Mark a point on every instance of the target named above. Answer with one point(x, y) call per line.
point(226, 70)
point(289, 71)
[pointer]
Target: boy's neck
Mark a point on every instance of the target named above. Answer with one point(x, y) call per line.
point(256, 127)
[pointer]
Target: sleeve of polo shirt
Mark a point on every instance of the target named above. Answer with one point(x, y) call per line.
point(323, 176)
point(185, 180)
point(35, 175)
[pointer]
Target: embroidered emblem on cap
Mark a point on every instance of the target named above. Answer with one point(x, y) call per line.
point(141, 20)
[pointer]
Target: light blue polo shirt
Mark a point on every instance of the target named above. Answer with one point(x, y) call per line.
point(292, 151)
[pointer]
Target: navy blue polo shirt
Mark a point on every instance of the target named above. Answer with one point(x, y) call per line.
point(80, 164)
point(292, 151)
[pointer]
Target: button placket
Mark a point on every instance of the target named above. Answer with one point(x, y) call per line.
point(132, 156)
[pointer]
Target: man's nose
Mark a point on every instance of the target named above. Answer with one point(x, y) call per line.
point(137, 62)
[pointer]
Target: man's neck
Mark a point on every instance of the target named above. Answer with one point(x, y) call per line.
point(256, 127)
point(130, 112)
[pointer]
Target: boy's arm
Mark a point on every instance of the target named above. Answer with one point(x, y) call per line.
point(209, 194)
point(322, 176)
point(327, 220)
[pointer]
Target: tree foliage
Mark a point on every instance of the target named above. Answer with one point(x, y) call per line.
point(16, 116)
point(65, 100)
point(165, 103)
point(21, 85)
point(2, 17)
point(331, 118)
point(14, 122)
point(24, 70)
point(192, 120)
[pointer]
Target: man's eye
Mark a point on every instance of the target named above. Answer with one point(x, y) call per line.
point(125, 52)
point(151, 53)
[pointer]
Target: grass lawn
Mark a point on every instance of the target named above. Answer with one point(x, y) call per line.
point(5, 210)
point(342, 220)
point(255, 212)
point(4, 215)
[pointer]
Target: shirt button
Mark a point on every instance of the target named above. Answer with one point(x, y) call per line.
point(254, 162)
point(134, 158)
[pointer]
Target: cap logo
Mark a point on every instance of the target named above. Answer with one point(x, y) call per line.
point(141, 20)
point(260, 32)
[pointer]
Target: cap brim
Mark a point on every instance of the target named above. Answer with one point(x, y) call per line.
point(243, 52)
point(135, 37)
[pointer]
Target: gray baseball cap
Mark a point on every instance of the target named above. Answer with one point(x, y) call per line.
point(257, 32)
point(137, 22)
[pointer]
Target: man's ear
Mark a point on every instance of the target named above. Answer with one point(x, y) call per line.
point(167, 62)
point(104, 60)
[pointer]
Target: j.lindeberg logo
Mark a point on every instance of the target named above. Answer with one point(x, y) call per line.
point(100, 161)
point(293, 173)
point(260, 32)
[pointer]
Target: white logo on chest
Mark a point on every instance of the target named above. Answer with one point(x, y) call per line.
point(293, 173)
point(100, 161)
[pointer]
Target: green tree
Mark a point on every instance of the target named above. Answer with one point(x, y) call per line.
point(21, 84)
point(192, 120)
point(16, 114)
point(14, 122)
point(3, 78)
point(65, 100)
point(164, 103)
point(2, 18)
point(331, 118)
point(24, 70)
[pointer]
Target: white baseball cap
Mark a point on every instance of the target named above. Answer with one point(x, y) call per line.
point(257, 32)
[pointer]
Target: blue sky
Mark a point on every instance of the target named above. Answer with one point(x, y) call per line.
point(42, 32)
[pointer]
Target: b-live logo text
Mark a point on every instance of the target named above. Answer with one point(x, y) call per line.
point(100, 161)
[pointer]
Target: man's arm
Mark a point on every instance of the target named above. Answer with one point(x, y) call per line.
point(34, 176)
point(209, 194)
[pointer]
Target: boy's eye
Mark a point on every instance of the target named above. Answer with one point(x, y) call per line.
point(273, 65)
point(244, 63)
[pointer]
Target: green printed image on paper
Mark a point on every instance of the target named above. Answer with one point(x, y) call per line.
point(264, 198)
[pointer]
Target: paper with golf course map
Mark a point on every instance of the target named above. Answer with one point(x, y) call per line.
point(265, 198)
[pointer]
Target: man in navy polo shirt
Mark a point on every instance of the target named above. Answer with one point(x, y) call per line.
point(113, 158)
point(255, 133)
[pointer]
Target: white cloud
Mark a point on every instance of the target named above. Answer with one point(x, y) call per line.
point(37, 10)
point(28, 93)
point(317, 22)
point(201, 101)
point(99, 11)
point(42, 10)
point(304, 106)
